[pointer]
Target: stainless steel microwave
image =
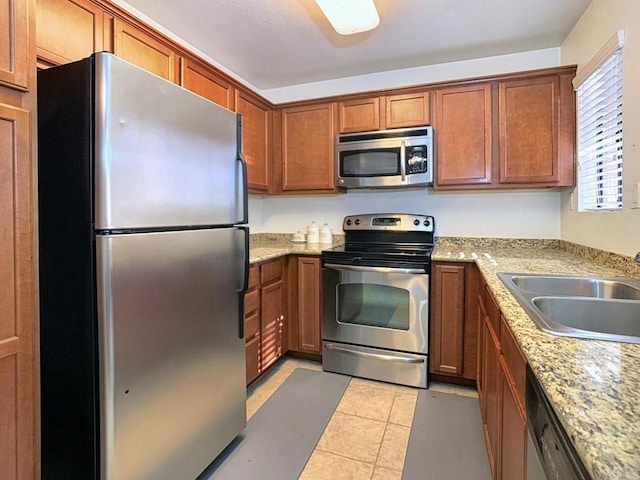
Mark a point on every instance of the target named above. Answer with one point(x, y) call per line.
point(385, 159)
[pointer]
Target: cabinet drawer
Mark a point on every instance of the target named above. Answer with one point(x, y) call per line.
point(515, 361)
point(254, 277)
point(493, 312)
point(251, 325)
point(251, 302)
point(271, 271)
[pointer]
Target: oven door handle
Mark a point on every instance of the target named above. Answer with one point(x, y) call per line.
point(377, 356)
point(358, 268)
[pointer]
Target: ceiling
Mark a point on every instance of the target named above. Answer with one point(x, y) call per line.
point(277, 43)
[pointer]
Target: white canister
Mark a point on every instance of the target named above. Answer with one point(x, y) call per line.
point(313, 233)
point(326, 235)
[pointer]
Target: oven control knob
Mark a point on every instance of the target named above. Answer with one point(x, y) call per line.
point(416, 222)
point(427, 223)
point(357, 221)
point(349, 222)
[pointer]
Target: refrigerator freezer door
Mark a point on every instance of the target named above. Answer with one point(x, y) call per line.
point(172, 365)
point(164, 156)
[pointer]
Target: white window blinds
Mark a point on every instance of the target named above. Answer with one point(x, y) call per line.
point(599, 89)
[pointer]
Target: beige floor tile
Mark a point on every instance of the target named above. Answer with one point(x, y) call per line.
point(353, 437)
point(368, 401)
point(454, 389)
point(403, 409)
point(381, 473)
point(326, 466)
point(394, 447)
point(387, 386)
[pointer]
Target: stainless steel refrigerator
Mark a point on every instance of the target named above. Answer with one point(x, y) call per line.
point(143, 262)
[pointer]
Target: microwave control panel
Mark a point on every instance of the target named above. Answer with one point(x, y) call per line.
point(416, 159)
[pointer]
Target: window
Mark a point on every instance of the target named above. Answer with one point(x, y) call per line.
point(599, 108)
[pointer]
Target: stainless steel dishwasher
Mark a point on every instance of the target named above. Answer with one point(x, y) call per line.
point(550, 453)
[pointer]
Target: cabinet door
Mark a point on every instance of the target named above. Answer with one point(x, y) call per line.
point(408, 110)
point(14, 44)
point(308, 148)
point(309, 284)
point(206, 83)
point(528, 114)
point(463, 127)
point(513, 444)
point(253, 359)
point(359, 115)
point(447, 354)
point(145, 51)
point(68, 30)
point(17, 325)
point(482, 315)
point(492, 398)
point(256, 144)
point(272, 302)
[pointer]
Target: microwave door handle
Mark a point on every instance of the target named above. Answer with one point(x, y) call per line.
point(403, 167)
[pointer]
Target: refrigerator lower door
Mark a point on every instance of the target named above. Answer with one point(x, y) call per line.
point(172, 365)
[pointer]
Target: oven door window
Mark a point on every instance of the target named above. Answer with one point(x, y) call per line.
point(374, 305)
point(379, 162)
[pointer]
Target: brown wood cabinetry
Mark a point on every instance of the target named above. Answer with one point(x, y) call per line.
point(454, 327)
point(532, 146)
point(264, 309)
point(305, 306)
point(68, 30)
point(384, 112)
point(144, 50)
point(19, 359)
point(204, 81)
point(307, 148)
point(463, 125)
point(502, 383)
point(256, 139)
point(14, 43)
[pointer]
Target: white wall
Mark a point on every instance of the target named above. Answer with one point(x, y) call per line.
point(617, 232)
point(522, 214)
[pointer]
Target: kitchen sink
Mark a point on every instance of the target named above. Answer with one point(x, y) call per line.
point(576, 286)
point(583, 307)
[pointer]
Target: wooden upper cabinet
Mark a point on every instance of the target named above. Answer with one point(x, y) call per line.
point(360, 115)
point(14, 44)
point(463, 135)
point(308, 148)
point(385, 112)
point(144, 50)
point(205, 82)
point(256, 143)
point(528, 113)
point(537, 131)
point(407, 110)
point(68, 30)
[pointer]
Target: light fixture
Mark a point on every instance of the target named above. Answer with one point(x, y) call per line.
point(350, 16)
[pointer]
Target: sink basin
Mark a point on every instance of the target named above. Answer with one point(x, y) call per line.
point(576, 286)
point(583, 307)
point(614, 318)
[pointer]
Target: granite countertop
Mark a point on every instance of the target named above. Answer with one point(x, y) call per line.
point(266, 246)
point(594, 386)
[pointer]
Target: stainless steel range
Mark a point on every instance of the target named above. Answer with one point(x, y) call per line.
point(376, 299)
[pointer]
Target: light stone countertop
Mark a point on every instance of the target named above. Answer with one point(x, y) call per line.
point(594, 386)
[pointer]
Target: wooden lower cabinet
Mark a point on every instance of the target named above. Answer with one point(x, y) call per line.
point(305, 305)
point(454, 326)
point(501, 382)
point(264, 305)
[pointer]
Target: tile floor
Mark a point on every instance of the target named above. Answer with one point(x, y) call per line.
point(368, 433)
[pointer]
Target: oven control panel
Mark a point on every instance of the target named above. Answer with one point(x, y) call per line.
point(399, 222)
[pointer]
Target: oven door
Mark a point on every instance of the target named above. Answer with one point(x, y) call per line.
point(376, 306)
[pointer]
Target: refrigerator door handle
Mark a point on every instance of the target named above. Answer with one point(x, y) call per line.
point(244, 193)
point(245, 280)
